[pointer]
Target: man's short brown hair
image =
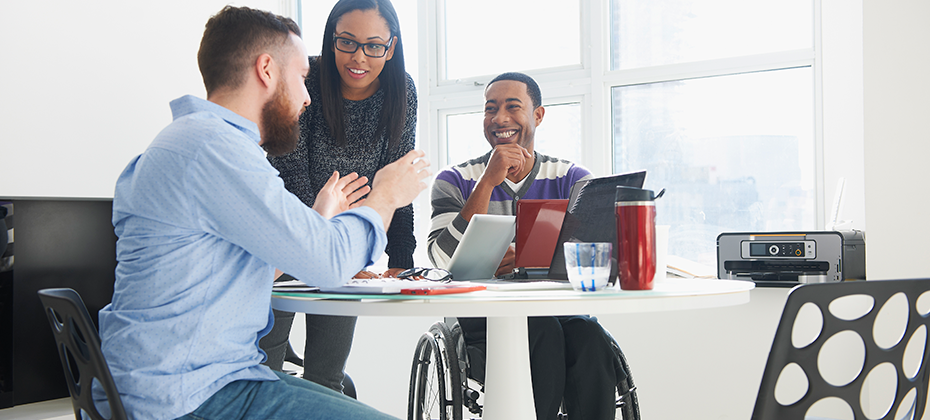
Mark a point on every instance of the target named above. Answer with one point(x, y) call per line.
point(233, 40)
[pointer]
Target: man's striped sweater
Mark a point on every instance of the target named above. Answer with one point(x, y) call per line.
point(550, 178)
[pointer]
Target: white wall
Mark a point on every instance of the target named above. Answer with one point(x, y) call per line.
point(841, 53)
point(86, 87)
point(896, 88)
point(897, 141)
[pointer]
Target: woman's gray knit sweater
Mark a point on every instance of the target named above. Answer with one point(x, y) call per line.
point(305, 170)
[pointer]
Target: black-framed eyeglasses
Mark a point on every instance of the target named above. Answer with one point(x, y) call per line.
point(371, 49)
point(421, 273)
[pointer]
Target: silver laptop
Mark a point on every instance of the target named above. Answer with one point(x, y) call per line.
point(482, 247)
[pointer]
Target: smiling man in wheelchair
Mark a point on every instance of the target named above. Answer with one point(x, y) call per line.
point(571, 358)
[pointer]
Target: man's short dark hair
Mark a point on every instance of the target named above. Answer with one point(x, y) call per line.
point(234, 38)
point(532, 88)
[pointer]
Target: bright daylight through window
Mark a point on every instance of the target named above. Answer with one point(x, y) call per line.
point(735, 151)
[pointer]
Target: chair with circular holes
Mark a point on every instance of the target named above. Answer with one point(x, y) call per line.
point(852, 350)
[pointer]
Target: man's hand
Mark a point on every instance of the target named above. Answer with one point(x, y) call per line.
point(398, 184)
point(341, 194)
point(506, 159)
point(507, 264)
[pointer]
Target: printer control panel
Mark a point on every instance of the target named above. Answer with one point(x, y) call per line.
point(778, 249)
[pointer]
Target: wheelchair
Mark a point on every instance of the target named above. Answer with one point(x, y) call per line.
point(441, 389)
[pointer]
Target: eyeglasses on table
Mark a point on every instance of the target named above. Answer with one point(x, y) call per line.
point(422, 273)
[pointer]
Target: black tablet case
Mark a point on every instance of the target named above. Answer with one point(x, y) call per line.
point(590, 217)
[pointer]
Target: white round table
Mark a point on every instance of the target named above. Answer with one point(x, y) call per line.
point(509, 392)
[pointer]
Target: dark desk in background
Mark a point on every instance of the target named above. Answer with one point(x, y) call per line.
point(54, 242)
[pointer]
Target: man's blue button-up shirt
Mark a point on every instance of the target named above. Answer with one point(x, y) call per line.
point(203, 219)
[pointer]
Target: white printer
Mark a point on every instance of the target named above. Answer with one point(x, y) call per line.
point(786, 259)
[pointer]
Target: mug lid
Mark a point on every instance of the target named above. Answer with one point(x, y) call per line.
point(635, 194)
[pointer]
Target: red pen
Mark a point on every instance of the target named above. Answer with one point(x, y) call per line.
point(440, 290)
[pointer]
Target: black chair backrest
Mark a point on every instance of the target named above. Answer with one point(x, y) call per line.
point(79, 348)
point(906, 301)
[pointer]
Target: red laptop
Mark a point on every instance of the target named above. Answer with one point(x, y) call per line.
point(537, 231)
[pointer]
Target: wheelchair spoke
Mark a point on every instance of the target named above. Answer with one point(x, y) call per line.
point(434, 403)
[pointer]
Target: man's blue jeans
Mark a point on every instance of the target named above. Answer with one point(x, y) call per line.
point(289, 398)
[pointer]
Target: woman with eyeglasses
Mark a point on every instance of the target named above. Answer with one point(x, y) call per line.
point(362, 116)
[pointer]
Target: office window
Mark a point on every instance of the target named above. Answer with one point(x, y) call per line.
point(312, 21)
point(735, 153)
point(558, 135)
point(488, 37)
point(648, 33)
point(717, 100)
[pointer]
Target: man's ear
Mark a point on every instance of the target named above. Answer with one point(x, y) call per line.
point(539, 113)
point(265, 70)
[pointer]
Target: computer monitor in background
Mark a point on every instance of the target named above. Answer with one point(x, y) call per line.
point(54, 242)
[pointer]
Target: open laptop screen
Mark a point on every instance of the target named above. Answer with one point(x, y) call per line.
point(482, 247)
point(538, 225)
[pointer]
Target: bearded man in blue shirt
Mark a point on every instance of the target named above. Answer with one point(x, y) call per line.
point(203, 220)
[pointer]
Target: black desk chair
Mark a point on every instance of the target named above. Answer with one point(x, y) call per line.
point(79, 348)
point(845, 310)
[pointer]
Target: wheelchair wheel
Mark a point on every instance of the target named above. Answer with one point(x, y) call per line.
point(470, 394)
point(435, 382)
point(627, 401)
point(441, 390)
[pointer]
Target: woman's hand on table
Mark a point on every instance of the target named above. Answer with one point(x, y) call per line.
point(392, 272)
point(365, 274)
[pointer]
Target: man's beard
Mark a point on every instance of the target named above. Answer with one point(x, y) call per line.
point(280, 130)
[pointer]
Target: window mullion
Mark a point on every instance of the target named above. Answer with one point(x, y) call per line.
point(710, 68)
point(819, 162)
point(596, 103)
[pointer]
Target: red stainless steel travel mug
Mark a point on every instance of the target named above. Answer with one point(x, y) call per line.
point(636, 238)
